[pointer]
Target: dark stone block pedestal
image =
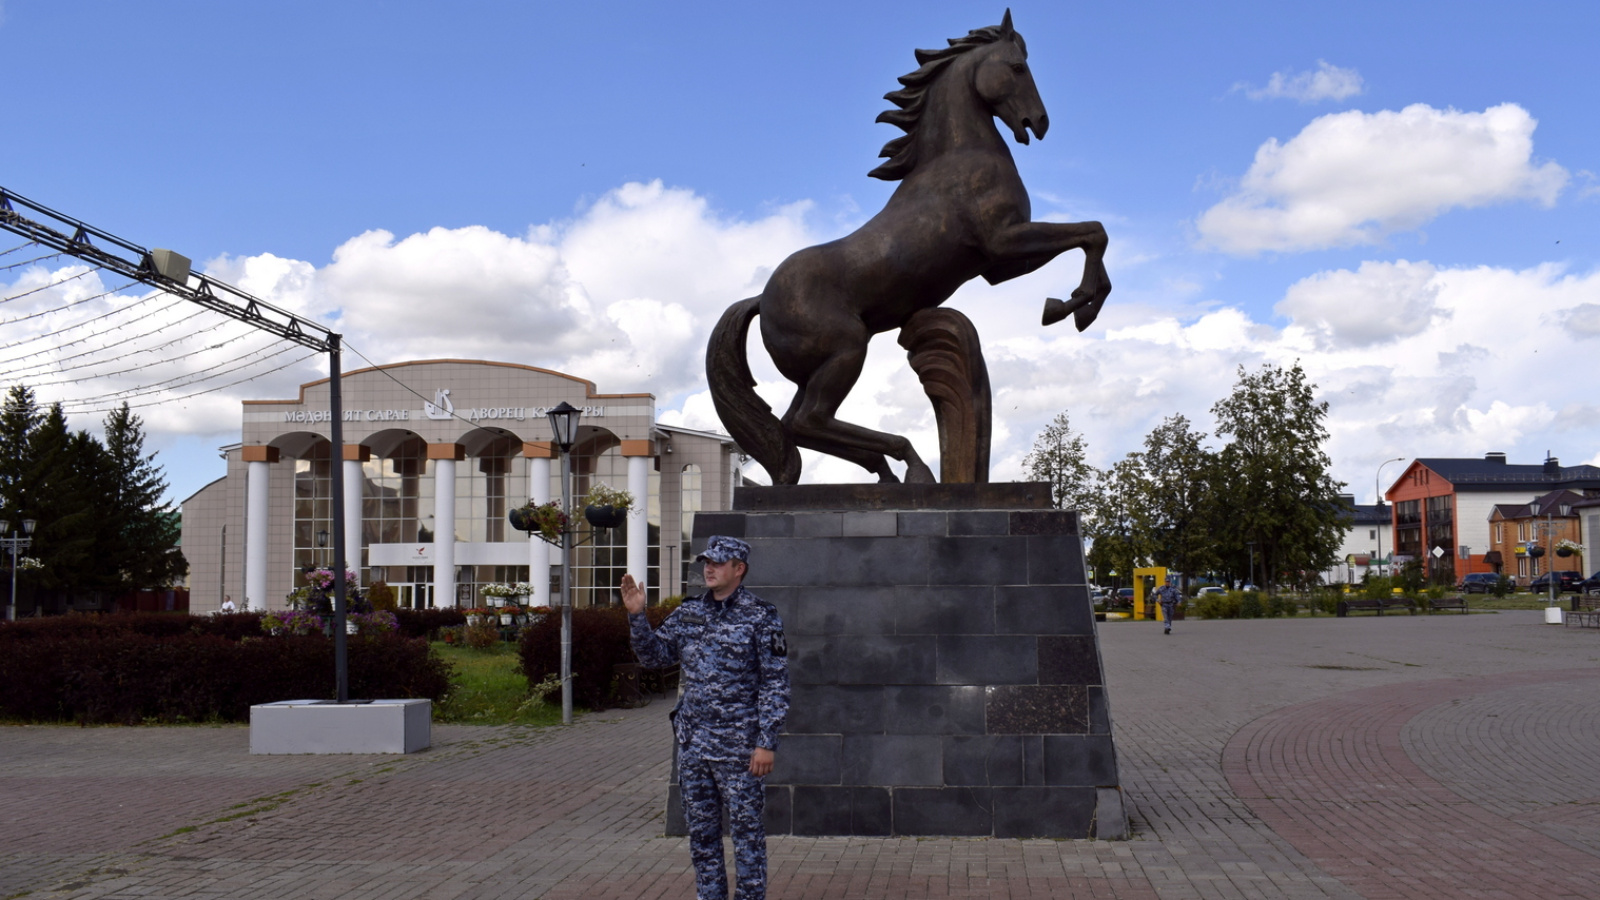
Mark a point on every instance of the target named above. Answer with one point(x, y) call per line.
point(946, 672)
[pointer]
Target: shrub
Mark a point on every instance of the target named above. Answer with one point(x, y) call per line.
point(1435, 592)
point(599, 642)
point(1281, 605)
point(422, 623)
point(1503, 586)
point(111, 669)
point(1327, 601)
point(482, 636)
point(1378, 587)
point(1250, 605)
point(381, 596)
point(1218, 606)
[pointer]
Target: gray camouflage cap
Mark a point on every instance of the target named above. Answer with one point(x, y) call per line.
point(720, 549)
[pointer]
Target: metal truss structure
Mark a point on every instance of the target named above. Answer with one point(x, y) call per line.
point(168, 271)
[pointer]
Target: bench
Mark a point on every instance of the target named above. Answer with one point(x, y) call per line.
point(1378, 606)
point(1585, 613)
point(1449, 603)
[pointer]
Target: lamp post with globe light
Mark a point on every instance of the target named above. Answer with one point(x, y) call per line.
point(20, 542)
point(564, 426)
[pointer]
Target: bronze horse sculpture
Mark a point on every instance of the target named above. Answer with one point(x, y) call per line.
point(959, 212)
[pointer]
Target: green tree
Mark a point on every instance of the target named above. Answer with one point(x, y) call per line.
point(1275, 490)
point(1176, 505)
point(1058, 456)
point(146, 529)
point(1118, 540)
point(18, 418)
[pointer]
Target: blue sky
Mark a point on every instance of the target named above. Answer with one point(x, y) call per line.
point(1399, 195)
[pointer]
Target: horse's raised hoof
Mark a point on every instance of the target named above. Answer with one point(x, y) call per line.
point(888, 478)
point(919, 473)
point(1054, 311)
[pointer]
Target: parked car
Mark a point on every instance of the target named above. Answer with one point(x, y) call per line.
point(1478, 583)
point(1590, 585)
point(1124, 598)
point(1210, 589)
point(1565, 582)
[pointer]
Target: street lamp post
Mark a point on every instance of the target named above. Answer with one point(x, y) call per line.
point(22, 542)
point(1377, 489)
point(564, 425)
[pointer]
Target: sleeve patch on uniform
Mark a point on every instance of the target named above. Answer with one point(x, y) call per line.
point(779, 646)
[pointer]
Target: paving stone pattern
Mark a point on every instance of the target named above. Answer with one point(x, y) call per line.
point(1396, 757)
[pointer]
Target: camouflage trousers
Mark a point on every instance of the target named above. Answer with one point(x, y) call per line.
point(1167, 610)
point(709, 787)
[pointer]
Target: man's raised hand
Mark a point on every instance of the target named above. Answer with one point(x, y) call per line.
point(632, 595)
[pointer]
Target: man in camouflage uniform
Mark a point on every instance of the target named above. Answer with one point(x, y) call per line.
point(1167, 595)
point(731, 654)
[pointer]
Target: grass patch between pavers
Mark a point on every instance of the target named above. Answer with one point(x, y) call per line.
point(487, 689)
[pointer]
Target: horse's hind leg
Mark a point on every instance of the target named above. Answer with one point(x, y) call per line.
point(876, 463)
point(813, 422)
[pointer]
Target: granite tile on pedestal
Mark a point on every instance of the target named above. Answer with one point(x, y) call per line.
point(1038, 709)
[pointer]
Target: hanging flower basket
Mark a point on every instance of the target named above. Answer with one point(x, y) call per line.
point(606, 507)
point(605, 516)
point(1567, 548)
point(544, 519)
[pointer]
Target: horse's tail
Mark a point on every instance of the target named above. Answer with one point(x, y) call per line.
point(746, 416)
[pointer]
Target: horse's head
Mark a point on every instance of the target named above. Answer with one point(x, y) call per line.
point(1002, 78)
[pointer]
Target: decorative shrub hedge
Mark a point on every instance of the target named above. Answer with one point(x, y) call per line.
point(423, 623)
point(175, 668)
point(599, 643)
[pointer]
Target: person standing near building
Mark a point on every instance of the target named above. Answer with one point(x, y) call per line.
point(730, 648)
point(1167, 596)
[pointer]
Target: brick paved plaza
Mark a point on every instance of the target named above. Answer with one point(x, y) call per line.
point(1439, 756)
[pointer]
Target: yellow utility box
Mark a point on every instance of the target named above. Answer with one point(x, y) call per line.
point(1145, 582)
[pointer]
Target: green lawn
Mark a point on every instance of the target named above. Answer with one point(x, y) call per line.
point(488, 690)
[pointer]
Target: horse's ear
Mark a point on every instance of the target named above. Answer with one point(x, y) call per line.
point(1005, 25)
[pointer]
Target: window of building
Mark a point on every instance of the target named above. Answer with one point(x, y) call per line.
point(487, 486)
point(601, 559)
point(1372, 534)
point(397, 500)
point(1499, 532)
point(690, 496)
point(313, 510)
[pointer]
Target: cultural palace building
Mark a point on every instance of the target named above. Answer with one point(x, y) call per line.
point(436, 452)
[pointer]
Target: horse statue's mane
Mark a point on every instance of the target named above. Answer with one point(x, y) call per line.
point(902, 151)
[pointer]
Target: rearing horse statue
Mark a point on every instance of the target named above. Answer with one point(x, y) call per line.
point(960, 211)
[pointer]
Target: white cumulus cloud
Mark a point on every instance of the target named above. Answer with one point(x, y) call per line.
point(1327, 82)
point(1351, 178)
point(1379, 303)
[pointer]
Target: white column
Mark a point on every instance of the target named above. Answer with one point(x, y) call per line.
point(255, 535)
point(444, 535)
point(354, 482)
point(639, 520)
point(538, 549)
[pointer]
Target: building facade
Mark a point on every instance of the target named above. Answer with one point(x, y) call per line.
point(1362, 550)
point(436, 452)
point(1515, 529)
point(1442, 508)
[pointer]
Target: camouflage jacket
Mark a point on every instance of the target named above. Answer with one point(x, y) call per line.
point(733, 667)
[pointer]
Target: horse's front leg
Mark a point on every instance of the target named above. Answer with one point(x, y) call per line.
point(1029, 245)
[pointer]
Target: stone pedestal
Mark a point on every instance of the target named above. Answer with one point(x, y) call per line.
point(946, 672)
point(318, 726)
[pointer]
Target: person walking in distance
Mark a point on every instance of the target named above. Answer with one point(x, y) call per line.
point(731, 653)
point(1167, 596)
